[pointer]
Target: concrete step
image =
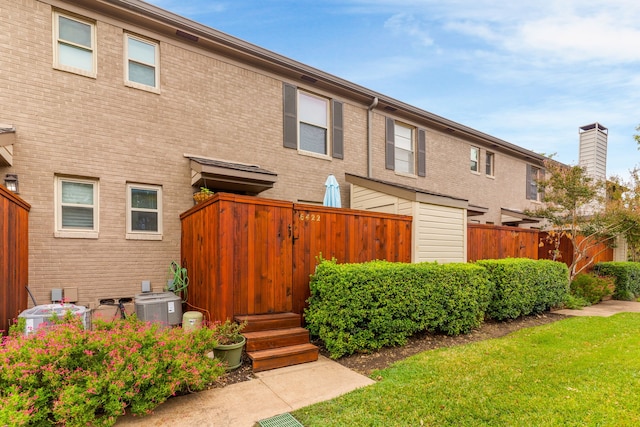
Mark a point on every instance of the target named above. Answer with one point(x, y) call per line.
point(264, 360)
point(264, 322)
point(274, 338)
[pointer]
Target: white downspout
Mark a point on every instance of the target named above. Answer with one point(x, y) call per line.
point(370, 137)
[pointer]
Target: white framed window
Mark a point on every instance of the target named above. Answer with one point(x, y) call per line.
point(474, 159)
point(313, 123)
point(144, 212)
point(141, 62)
point(74, 47)
point(490, 163)
point(404, 148)
point(77, 207)
point(533, 175)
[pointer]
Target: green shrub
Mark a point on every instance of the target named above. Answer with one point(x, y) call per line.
point(524, 286)
point(64, 375)
point(575, 303)
point(591, 288)
point(364, 307)
point(626, 276)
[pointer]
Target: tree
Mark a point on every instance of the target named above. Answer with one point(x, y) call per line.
point(623, 207)
point(574, 206)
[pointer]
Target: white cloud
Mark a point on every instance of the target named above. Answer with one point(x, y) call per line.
point(577, 39)
point(406, 24)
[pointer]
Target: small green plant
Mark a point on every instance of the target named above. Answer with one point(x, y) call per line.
point(575, 303)
point(591, 288)
point(65, 375)
point(228, 332)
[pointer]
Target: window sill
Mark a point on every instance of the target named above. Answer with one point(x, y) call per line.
point(316, 155)
point(140, 86)
point(475, 173)
point(141, 236)
point(407, 175)
point(491, 176)
point(77, 71)
point(65, 234)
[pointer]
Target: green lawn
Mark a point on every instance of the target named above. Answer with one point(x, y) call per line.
point(581, 371)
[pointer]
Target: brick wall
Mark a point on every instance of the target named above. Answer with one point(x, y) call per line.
point(208, 105)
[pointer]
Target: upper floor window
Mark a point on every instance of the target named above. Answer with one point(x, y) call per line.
point(313, 119)
point(404, 152)
point(141, 66)
point(533, 175)
point(312, 123)
point(77, 207)
point(75, 44)
point(475, 157)
point(144, 212)
point(405, 148)
point(490, 164)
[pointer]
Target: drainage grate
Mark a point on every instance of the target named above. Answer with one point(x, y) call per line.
point(284, 420)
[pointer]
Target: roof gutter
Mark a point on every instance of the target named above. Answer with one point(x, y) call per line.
point(232, 43)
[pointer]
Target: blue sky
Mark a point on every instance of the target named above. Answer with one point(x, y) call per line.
point(528, 72)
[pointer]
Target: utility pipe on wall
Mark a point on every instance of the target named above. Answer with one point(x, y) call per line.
point(370, 137)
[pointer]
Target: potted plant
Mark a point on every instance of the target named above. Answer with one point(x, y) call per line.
point(229, 343)
point(202, 195)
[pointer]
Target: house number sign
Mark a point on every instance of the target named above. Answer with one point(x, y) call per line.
point(309, 217)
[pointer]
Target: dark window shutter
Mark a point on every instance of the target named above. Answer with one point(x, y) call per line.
point(337, 150)
point(422, 152)
point(290, 109)
point(390, 146)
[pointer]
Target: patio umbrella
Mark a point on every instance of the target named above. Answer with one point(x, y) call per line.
point(332, 194)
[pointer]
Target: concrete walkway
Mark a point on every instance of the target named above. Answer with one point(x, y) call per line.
point(286, 389)
point(243, 404)
point(604, 309)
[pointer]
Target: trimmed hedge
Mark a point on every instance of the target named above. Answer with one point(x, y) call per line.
point(626, 276)
point(364, 307)
point(524, 286)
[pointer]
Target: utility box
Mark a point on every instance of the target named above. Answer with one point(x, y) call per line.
point(40, 315)
point(159, 307)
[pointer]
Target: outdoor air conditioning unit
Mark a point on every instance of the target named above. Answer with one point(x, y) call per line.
point(159, 307)
point(40, 315)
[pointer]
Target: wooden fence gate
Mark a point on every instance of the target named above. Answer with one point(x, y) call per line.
point(14, 256)
point(248, 255)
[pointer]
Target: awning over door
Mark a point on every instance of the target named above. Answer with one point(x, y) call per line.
point(7, 139)
point(514, 217)
point(230, 177)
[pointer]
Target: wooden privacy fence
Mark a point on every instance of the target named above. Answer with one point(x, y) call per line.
point(496, 242)
point(596, 253)
point(14, 256)
point(248, 255)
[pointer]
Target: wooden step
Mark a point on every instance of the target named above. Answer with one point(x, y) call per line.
point(265, 322)
point(263, 340)
point(283, 356)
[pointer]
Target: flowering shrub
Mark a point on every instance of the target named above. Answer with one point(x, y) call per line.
point(65, 375)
